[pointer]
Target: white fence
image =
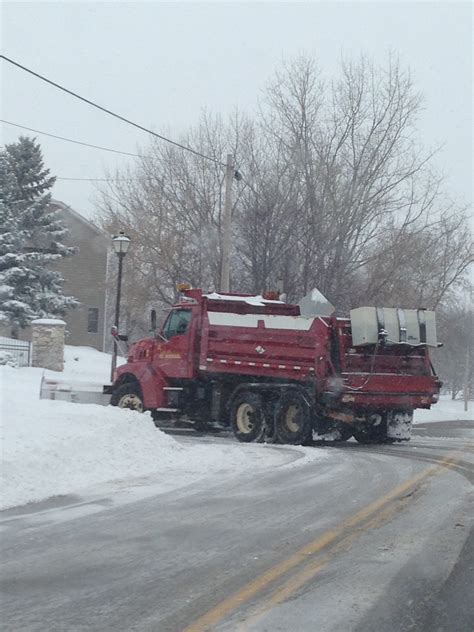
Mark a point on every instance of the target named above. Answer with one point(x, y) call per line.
point(16, 352)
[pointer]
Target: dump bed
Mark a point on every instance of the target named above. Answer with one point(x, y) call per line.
point(259, 337)
point(264, 345)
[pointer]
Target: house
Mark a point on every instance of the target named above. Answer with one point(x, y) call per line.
point(85, 278)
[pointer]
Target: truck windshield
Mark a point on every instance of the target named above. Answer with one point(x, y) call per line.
point(177, 323)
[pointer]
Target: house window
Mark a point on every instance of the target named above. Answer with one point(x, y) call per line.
point(93, 320)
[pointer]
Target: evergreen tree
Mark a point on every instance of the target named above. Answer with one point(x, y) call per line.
point(13, 261)
point(30, 239)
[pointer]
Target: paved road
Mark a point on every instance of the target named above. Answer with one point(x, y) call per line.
point(368, 539)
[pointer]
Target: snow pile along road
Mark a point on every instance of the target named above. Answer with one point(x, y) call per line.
point(52, 448)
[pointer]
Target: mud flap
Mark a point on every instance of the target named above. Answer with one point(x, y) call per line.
point(399, 423)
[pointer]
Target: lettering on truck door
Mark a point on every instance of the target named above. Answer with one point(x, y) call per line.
point(171, 354)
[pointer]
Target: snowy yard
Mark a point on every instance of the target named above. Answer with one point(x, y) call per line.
point(445, 410)
point(51, 448)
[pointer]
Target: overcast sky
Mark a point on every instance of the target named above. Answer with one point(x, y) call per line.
point(161, 63)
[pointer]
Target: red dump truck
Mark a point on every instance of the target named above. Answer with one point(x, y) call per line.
point(256, 365)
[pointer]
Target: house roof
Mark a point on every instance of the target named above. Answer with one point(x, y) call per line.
point(80, 218)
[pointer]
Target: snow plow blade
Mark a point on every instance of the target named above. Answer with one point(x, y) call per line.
point(76, 392)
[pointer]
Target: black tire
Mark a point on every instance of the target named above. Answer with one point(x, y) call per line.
point(128, 396)
point(270, 435)
point(247, 417)
point(371, 433)
point(293, 420)
point(345, 432)
point(367, 436)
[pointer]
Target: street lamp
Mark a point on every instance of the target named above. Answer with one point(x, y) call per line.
point(120, 243)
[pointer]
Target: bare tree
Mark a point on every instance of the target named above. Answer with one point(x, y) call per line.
point(455, 321)
point(337, 193)
point(363, 181)
point(171, 204)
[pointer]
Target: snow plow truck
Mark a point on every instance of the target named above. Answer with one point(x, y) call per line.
point(256, 365)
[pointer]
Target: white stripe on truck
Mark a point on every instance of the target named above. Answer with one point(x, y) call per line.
point(296, 323)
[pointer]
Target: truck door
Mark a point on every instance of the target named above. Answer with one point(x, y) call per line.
point(173, 353)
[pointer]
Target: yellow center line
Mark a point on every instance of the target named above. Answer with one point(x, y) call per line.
point(283, 593)
point(302, 577)
point(276, 572)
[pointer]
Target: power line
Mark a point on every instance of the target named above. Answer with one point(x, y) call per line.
point(107, 111)
point(78, 142)
point(98, 179)
point(69, 140)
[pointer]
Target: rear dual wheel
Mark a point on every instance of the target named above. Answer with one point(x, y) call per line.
point(293, 420)
point(345, 432)
point(368, 435)
point(289, 423)
point(374, 430)
point(248, 417)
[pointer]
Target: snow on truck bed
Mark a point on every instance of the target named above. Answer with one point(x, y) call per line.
point(51, 448)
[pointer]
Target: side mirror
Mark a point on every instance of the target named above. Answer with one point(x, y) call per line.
point(153, 319)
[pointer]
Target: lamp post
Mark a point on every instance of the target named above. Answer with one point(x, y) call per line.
point(120, 243)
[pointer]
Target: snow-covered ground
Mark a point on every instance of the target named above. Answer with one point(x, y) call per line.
point(51, 448)
point(86, 364)
point(445, 410)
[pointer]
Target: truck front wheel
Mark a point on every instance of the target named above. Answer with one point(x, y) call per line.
point(293, 420)
point(128, 396)
point(247, 417)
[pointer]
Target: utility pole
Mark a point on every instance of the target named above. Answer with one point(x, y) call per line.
point(227, 226)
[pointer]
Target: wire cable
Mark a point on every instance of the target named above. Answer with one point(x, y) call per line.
point(107, 111)
point(69, 140)
point(97, 179)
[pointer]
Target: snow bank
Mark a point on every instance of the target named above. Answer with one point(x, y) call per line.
point(86, 364)
point(445, 410)
point(51, 448)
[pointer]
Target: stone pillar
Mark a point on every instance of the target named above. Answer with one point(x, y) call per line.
point(47, 340)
